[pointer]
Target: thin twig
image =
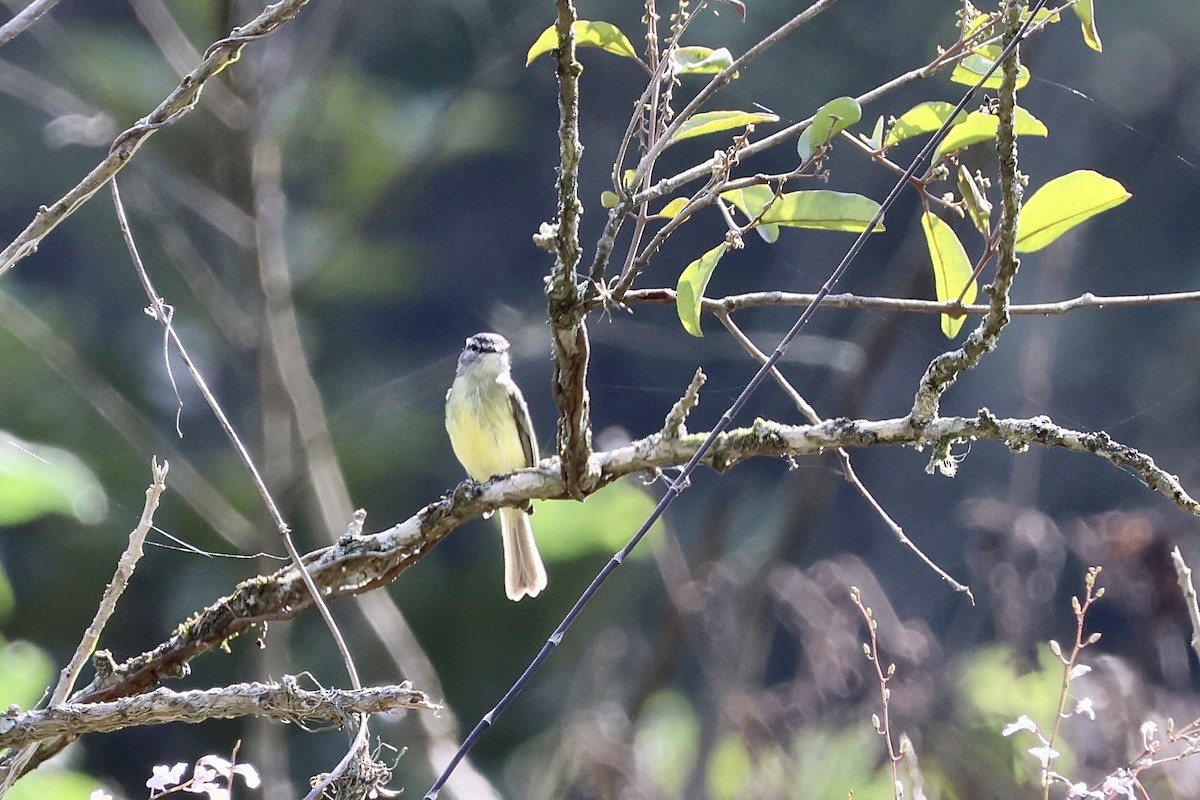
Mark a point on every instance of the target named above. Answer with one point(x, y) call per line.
point(160, 312)
point(739, 302)
point(176, 105)
point(23, 19)
point(1184, 573)
point(15, 765)
point(843, 457)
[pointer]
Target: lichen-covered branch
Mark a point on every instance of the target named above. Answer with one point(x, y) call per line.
point(284, 701)
point(944, 370)
point(359, 563)
point(178, 103)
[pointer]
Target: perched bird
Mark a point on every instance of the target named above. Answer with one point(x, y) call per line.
point(491, 433)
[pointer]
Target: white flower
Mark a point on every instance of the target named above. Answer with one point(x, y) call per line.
point(100, 794)
point(1045, 754)
point(1078, 671)
point(1024, 723)
point(165, 776)
point(1084, 706)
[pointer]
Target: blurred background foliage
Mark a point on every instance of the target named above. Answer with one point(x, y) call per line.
point(416, 157)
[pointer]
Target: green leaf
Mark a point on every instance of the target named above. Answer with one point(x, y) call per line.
point(922, 118)
point(690, 290)
point(979, 208)
point(1064, 203)
point(25, 671)
point(981, 127)
point(36, 480)
point(700, 60)
point(975, 66)
point(715, 121)
point(875, 140)
point(603, 35)
point(1087, 21)
point(824, 210)
point(830, 120)
point(608, 199)
point(952, 269)
point(601, 524)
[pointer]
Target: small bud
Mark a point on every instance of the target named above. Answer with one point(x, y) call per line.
point(1055, 648)
point(1095, 637)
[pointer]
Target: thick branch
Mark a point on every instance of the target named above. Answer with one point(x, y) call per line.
point(565, 295)
point(285, 702)
point(178, 103)
point(359, 563)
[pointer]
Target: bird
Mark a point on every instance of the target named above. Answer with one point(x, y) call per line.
point(492, 434)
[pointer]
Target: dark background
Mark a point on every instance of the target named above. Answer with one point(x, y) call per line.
point(418, 157)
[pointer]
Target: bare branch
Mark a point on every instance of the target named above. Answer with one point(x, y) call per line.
point(23, 19)
point(738, 302)
point(1184, 574)
point(14, 766)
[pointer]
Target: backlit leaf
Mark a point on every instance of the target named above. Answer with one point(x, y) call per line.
point(973, 67)
point(823, 209)
point(922, 118)
point(692, 284)
point(603, 35)
point(1064, 203)
point(700, 60)
point(980, 127)
point(715, 121)
point(952, 269)
point(1087, 21)
point(830, 120)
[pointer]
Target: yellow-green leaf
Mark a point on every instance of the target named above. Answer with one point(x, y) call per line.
point(1064, 203)
point(922, 118)
point(982, 127)
point(822, 209)
point(830, 120)
point(952, 269)
point(715, 121)
point(700, 60)
point(875, 140)
point(608, 199)
point(603, 35)
point(1087, 21)
point(671, 209)
point(690, 290)
point(975, 66)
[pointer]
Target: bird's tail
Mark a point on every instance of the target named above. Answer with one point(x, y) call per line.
point(524, 573)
